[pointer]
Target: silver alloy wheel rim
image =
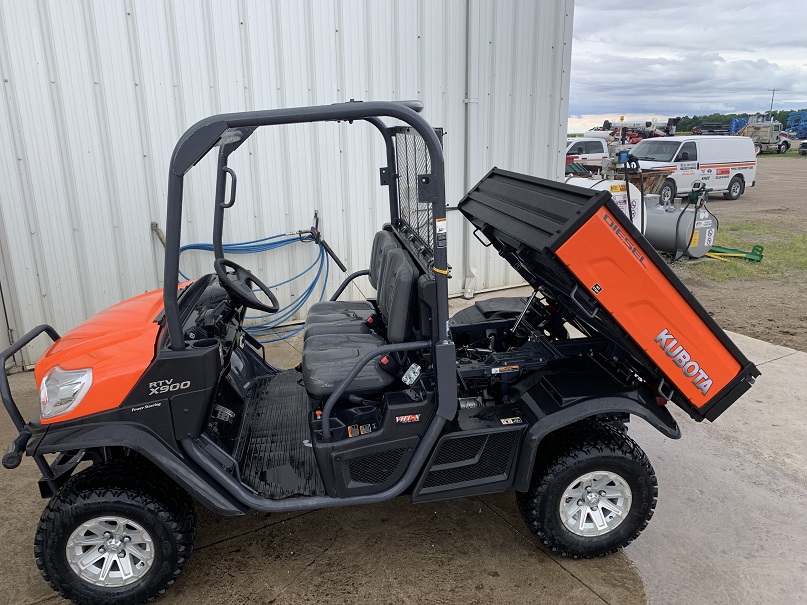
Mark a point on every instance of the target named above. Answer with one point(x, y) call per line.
point(110, 551)
point(595, 503)
point(666, 194)
point(735, 189)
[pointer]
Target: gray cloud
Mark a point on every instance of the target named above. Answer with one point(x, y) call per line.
point(687, 57)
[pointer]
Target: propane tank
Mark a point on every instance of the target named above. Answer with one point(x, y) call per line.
point(619, 192)
point(681, 231)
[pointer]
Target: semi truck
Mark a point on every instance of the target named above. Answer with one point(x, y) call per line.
point(768, 137)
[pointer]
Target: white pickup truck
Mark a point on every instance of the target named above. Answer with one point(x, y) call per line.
point(584, 149)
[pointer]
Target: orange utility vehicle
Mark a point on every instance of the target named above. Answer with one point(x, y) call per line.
point(167, 399)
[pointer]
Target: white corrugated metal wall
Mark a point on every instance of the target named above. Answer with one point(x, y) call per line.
point(96, 93)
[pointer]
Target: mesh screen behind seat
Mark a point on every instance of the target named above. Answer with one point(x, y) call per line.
point(412, 158)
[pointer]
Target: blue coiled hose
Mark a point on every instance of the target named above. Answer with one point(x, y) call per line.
point(273, 330)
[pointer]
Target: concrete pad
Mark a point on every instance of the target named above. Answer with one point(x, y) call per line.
point(759, 351)
point(455, 551)
point(296, 342)
point(282, 354)
point(285, 354)
point(770, 421)
point(728, 528)
point(614, 579)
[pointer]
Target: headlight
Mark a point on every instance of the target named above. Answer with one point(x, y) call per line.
point(62, 390)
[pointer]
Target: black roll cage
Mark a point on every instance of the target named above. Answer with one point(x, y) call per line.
point(228, 131)
point(200, 458)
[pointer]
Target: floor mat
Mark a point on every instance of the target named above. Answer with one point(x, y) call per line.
point(272, 452)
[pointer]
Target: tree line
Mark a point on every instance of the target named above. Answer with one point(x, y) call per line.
point(686, 123)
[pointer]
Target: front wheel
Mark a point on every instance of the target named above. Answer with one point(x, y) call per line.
point(593, 495)
point(117, 533)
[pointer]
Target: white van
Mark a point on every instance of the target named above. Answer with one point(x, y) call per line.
point(722, 163)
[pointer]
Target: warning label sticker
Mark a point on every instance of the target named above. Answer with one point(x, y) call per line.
point(618, 188)
point(710, 237)
point(440, 229)
point(696, 235)
point(503, 369)
point(514, 420)
point(703, 224)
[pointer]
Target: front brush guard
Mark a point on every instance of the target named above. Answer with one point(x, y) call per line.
point(13, 456)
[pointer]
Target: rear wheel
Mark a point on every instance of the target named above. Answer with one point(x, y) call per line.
point(667, 193)
point(757, 149)
point(735, 189)
point(115, 534)
point(593, 495)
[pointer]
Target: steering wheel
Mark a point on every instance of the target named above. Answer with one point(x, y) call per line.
point(239, 286)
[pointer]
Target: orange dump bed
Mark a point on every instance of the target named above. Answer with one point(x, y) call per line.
point(577, 247)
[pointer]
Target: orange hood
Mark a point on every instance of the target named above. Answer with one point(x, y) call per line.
point(117, 343)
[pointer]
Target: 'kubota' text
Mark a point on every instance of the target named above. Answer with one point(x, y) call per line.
point(681, 357)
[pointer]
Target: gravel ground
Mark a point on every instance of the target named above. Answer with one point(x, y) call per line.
point(770, 307)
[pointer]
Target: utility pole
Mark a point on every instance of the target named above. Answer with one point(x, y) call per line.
point(773, 92)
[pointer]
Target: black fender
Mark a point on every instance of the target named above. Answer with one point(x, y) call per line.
point(139, 438)
point(636, 403)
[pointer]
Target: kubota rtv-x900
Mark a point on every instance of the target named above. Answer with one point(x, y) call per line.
point(171, 400)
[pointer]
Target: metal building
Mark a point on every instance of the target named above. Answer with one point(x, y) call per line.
point(96, 93)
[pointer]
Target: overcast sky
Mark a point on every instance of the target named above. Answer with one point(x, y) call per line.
point(665, 59)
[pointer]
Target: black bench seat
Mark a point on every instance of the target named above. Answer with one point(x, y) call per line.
point(328, 358)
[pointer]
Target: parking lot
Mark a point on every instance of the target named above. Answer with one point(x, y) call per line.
point(728, 528)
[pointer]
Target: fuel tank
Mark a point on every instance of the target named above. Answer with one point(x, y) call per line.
point(671, 228)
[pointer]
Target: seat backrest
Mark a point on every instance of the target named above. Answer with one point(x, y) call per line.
point(383, 241)
point(396, 295)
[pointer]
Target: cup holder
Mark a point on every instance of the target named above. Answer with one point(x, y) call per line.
point(205, 343)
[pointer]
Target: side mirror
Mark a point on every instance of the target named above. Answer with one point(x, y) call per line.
point(684, 156)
